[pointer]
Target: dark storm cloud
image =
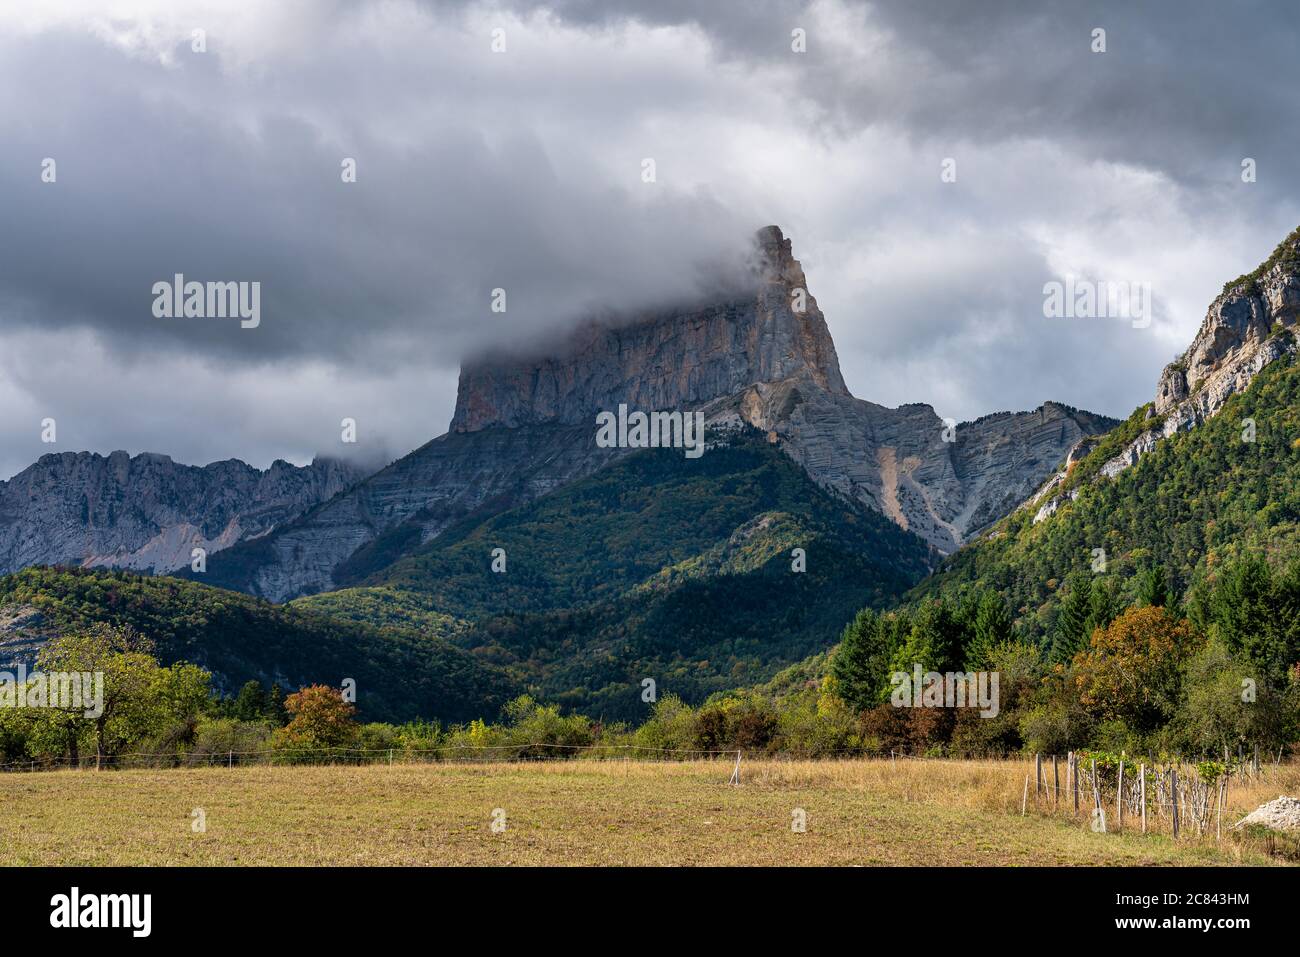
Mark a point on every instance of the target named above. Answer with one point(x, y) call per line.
point(161, 172)
point(522, 171)
point(1190, 88)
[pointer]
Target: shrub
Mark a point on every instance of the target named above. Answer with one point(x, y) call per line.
point(319, 719)
point(219, 737)
point(671, 727)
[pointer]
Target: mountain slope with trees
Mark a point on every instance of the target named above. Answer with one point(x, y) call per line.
point(682, 571)
point(399, 673)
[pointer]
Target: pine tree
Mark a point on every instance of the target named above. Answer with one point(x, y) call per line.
point(992, 627)
point(857, 665)
point(1072, 619)
point(1153, 588)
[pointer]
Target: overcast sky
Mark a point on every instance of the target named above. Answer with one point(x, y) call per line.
point(522, 170)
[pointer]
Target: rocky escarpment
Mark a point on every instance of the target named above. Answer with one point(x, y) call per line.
point(770, 332)
point(524, 424)
point(148, 512)
point(1248, 326)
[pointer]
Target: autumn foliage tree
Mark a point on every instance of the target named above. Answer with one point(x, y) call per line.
point(319, 718)
point(1131, 671)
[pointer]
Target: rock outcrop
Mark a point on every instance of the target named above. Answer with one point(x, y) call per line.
point(1240, 326)
point(1250, 325)
point(22, 632)
point(147, 512)
point(525, 424)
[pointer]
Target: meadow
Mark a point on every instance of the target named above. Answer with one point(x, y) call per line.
point(859, 812)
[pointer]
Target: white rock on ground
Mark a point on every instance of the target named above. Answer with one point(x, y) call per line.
point(1280, 815)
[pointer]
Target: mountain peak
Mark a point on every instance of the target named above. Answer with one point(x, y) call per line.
point(768, 332)
point(776, 258)
point(758, 355)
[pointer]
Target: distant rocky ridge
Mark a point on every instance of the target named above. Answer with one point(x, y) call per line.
point(525, 424)
point(147, 512)
point(1248, 326)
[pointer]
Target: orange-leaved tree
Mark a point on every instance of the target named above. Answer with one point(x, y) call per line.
point(319, 718)
point(1132, 669)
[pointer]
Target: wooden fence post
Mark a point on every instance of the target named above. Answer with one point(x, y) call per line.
point(1076, 783)
point(1056, 783)
point(1173, 794)
point(1024, 799)
point(1119, 798)
point(1038, 774)
point(1142, 787)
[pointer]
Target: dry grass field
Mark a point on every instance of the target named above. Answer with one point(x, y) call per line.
point(579, 812)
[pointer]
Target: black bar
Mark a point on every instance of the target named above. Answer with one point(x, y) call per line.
point(296, 905)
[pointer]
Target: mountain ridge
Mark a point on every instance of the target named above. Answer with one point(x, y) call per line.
point(148, 512)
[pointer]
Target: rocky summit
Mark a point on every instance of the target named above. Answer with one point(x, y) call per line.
point(762, 356)
point(674, 360)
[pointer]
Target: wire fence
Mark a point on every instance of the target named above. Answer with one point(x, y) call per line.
point(476, 753)
point(1175, 796)
point(511, 752)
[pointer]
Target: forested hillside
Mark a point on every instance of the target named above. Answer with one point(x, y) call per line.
point(1195, 502)
point(1159, 610)
point(399, 673)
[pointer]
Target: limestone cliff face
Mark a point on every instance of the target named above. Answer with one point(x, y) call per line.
point(1251, 324)
point(770, 333)
point(761, 356)
point(147, 512)
point(1238, 327)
